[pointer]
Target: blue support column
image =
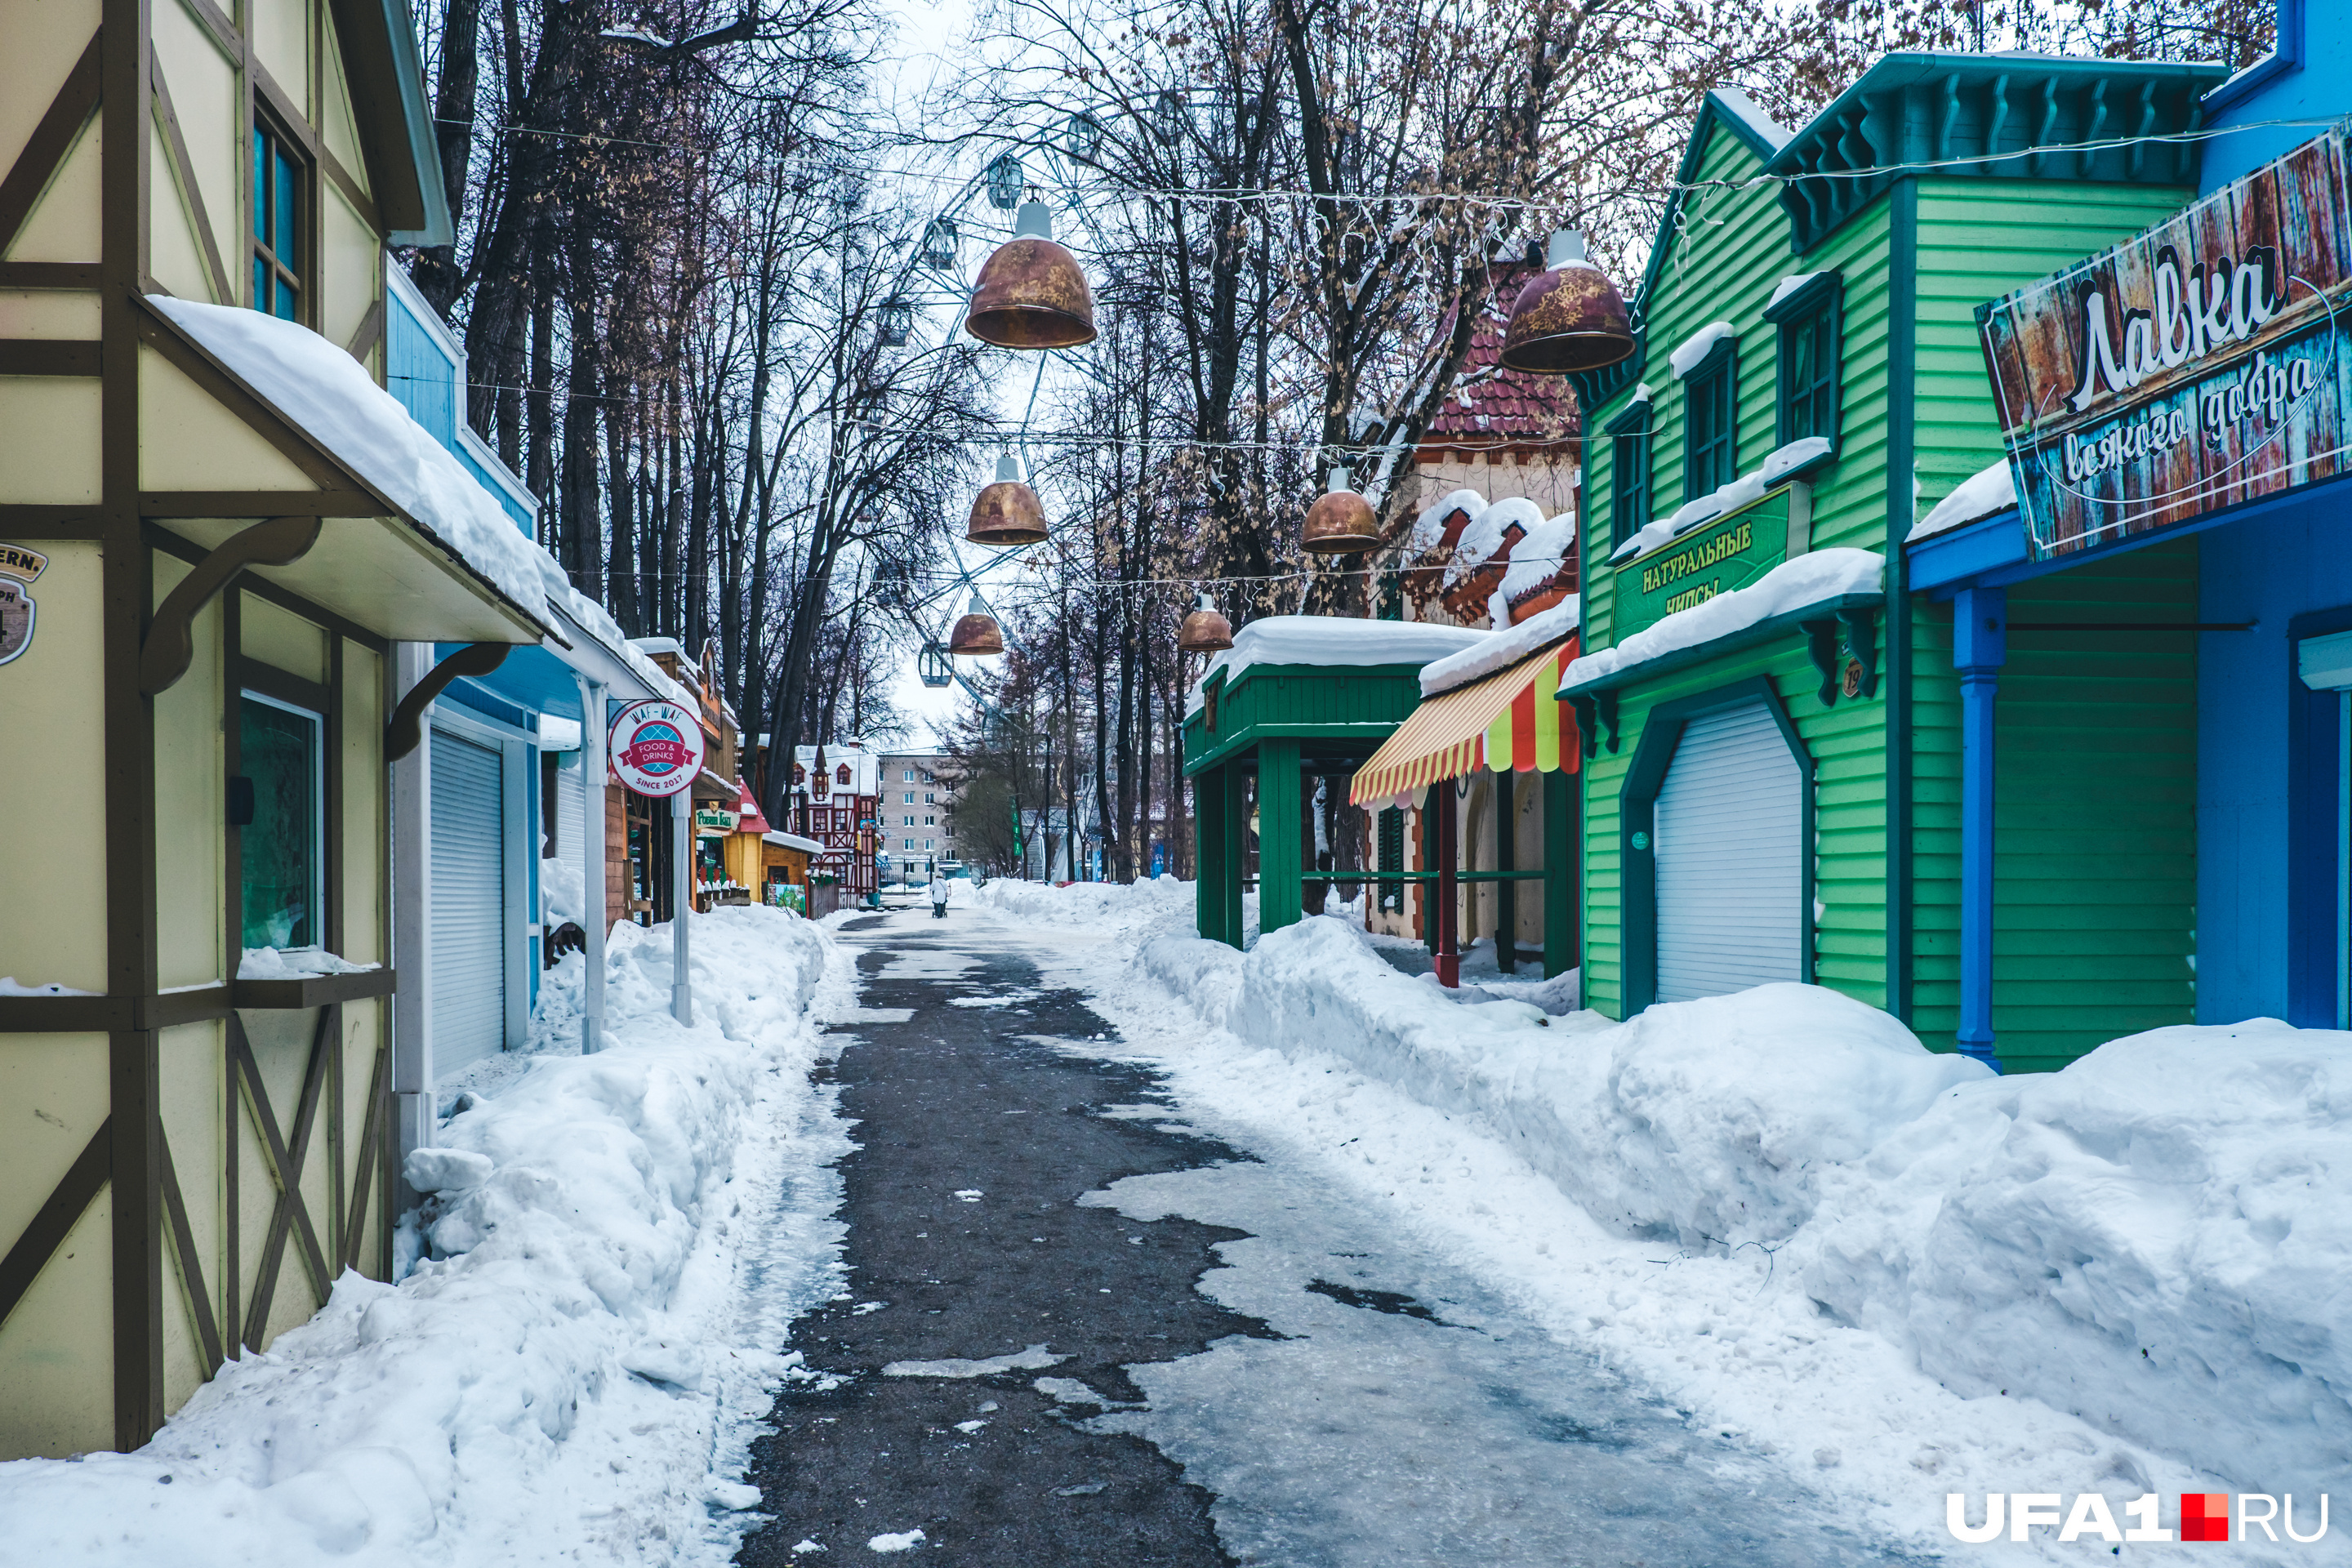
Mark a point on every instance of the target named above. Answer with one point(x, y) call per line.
point(1979, 648)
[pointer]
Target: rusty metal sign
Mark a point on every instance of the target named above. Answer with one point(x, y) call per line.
point(2199, 365)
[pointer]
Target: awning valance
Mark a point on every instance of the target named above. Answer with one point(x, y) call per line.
point(1509, 721)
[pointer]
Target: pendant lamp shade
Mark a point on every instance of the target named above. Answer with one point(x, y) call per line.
point(977, 634)
point(1007, 512)
point(1569, 318)
point(1032, 294)
point(1340, 522)
point(1204, 630)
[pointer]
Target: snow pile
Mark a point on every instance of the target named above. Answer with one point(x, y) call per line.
point(1779, 464)
point(1332, 640)
point(1809, 579)
point(1501, 649)
point(562, 1377)
point(1539, 555)
point(295, 963)
point(2147, 1240)
point(1979, 496)
point(563, 889)
point(2157, 1238)
point(1789, 285)
point(1484, 536)
point(331, 396)
point(1695, 349)
point(1098, 906)
point(1429, 528)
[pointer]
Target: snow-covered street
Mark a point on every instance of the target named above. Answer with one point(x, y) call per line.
point(1027, 1221)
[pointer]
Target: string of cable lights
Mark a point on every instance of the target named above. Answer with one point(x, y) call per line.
point(1231, 195)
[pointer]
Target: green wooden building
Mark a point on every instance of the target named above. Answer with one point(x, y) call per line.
point(1296, 699)
point(1773, 791)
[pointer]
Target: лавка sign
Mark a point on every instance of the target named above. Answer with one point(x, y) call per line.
point(2197, 365)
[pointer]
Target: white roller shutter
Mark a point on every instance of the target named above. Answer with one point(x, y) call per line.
point(468, 902)
point(1728, 832)
point(568, 807)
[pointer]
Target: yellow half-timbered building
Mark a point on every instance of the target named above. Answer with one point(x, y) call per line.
point(220, 580)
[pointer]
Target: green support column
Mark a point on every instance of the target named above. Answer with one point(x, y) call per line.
point(1210, 869)
point(1563, 852)
point(1235, 836)
point(1431, 800)
point(1506, 858)
point(1280, 861)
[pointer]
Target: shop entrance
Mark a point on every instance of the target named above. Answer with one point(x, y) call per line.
point(470, 1003)
point(1716, 819)
point(1730, 858)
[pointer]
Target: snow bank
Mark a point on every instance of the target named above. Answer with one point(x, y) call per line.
point(1332, 640)
point(552, 1381)
point(2156, 1240)
point(1809, 579)
point(1100, 906)
point(1501, 649)
point(1977, 496)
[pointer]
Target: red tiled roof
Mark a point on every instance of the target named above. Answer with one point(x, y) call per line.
point(1503, 408)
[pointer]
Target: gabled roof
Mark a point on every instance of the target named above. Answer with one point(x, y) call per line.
point(386, 74)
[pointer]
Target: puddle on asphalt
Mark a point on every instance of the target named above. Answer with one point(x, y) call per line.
point(1366, 1430)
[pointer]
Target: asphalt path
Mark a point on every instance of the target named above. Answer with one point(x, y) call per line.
point(1081, 1330)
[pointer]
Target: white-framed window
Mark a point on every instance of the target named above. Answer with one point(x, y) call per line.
point(930, 821)
point(910, 776)
point(929, 799)
point(909, 798)
point(910, 844)
point(926, 843)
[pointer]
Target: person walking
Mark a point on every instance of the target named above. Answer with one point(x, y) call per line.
point(938, 897)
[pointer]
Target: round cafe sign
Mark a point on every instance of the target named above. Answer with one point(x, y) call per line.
point(656, 746)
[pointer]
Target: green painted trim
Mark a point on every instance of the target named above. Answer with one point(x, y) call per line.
point(1661, 734)
point(1234, 855)
point(1901, 433)
point(1562, 837)
point(1280, 850)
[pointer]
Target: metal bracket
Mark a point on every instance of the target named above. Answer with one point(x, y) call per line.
point(171, 644)
point(1862, 637)
point(407, 727)
point(1822, 645)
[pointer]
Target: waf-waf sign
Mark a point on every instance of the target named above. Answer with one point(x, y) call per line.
point(656, 746)
point(2199, 365)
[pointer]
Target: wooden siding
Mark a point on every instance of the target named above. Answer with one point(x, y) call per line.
point(1288, 699)
point(2095, 806)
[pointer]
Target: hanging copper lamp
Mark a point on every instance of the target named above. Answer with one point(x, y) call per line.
point(1032, 294)
point(1567, 318)
point(1340, 522)
point(1007, 512)
point(1204, 630)
point(976, 635)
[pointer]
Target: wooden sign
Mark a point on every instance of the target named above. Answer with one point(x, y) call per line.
point(2199, 365)
point(1714, 558)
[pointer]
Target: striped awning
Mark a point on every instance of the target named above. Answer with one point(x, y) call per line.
point(1509, 721)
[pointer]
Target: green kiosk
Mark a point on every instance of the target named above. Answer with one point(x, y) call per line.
point(1295, 696)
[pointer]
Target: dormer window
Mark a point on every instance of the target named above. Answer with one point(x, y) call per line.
point(280, 182)
point(1807, 312)
point(1629, 473)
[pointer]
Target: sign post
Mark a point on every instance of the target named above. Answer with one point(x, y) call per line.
point(658, 750)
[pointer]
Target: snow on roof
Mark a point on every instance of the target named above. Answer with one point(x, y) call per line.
point(1981, 494)
point(1333, 641)
point(1791, 585)
point(1484, 536)
point(1501, 649)
point(1778, 464)
point(1697, 346)
point(793, 841)
point(1789, 285)
point(1539, 556)
point(1430, 526)
point(329, 394)
point(1752, 115)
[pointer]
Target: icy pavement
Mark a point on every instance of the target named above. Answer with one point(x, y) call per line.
point(1243, 1361)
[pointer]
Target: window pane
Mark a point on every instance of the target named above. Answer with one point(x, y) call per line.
point(279, 847)
point(285, 300)
point(282, 237)
point(260, 191)
point(261, 276)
